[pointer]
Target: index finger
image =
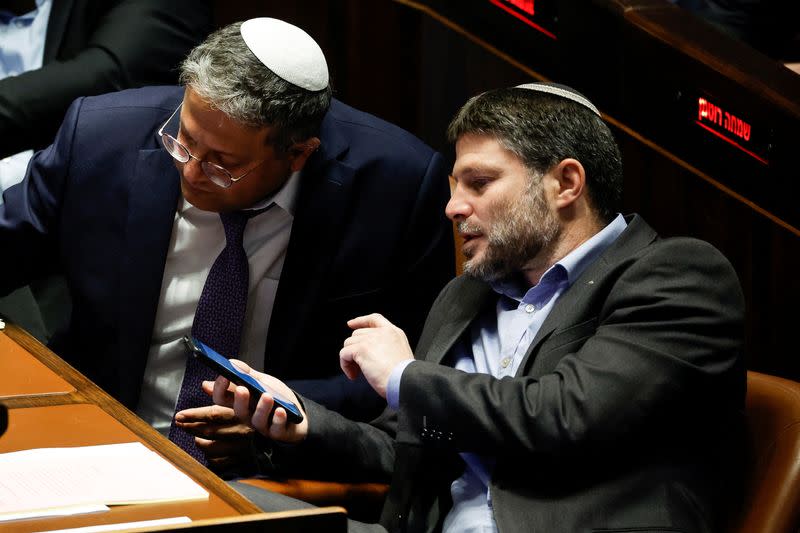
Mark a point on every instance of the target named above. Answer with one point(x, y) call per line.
point(375, 320)
point(211, 413)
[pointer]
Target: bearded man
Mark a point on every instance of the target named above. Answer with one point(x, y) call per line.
point(582, 375)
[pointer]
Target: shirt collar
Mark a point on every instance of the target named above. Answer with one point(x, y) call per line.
point(572, 265)
point(286, 196)
point(584, 255)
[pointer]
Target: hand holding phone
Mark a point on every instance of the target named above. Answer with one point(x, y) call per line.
point(220, 364)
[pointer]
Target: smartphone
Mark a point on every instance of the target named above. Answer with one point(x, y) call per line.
point(220, 364)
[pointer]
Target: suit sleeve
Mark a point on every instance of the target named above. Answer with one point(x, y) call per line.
point(30, 211)
point(336, 448)
point(134, 43)
point(665, 354)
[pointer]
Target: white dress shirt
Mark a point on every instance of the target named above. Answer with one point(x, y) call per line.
point(197, 239)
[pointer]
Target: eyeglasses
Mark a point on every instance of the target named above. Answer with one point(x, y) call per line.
point(217, 174)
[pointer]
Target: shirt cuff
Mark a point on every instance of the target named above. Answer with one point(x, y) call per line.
point(393, 387)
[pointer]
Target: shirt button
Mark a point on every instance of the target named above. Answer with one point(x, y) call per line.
point(530, 308)
point(505, 362)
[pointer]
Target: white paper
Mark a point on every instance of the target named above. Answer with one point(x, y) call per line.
point(114, 474)
point(124, 525)
point(49, 513)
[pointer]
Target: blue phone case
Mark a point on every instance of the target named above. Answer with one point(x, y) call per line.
point(221, 364)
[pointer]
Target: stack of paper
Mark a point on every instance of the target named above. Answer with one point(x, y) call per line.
point(42, 481)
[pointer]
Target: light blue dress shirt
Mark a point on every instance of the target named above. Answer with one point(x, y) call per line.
point(499, 341)
point(21, 49)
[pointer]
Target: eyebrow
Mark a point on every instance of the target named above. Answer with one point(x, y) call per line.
point(473, 169)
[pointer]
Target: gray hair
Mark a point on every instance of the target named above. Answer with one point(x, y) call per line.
point(225, 73)
point(544, 129)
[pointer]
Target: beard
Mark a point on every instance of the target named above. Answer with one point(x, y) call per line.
point(524, 227)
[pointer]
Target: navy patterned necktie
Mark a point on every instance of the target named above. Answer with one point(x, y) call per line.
point(218, 320)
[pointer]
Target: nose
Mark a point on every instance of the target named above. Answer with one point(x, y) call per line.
point(191, 170)
point(458, 208)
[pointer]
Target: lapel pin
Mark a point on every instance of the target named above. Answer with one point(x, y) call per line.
point(591, 282)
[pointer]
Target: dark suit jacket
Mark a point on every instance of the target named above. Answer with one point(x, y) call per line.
point(621, 417)
point(98, 205)
point(94, 47)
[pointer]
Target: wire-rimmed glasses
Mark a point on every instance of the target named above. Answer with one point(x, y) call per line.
point(217, 174)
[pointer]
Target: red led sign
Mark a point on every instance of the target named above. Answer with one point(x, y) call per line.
point(523, 5)
point(731, 128)
point(525, 11)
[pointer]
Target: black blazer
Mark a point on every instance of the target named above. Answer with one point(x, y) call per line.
point(622, 417)
point(93, 47)
point(98, 206)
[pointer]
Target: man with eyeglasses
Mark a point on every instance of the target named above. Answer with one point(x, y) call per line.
point(150, 200)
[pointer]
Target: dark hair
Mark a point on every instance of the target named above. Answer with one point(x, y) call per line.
point(224, 72)
point(542, 130)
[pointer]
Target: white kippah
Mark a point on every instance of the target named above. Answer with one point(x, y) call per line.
point(287, 51)
point(562, 91)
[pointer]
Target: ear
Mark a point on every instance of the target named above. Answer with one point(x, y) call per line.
point(571, 178)
point(300, 152)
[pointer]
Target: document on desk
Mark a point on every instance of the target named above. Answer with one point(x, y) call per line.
point(47, 479)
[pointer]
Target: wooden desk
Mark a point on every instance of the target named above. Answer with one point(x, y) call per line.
point(31, 377)
point(52, 404)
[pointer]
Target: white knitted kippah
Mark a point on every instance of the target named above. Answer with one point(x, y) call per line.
point(287, 51)
point(562, 91)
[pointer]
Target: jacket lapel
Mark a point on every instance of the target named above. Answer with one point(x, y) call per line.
point(56, 27)
point(153, 200)
point(323, 198)
point(462, 305)
point(573, 302)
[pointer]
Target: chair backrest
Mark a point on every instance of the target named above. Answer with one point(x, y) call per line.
point(772, 501)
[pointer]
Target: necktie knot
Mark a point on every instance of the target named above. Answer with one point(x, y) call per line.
point(234, 223)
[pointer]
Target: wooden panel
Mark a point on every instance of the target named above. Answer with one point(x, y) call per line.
point(26, 375)
point(90, 416)
point(62, 426)
point(86, 425)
